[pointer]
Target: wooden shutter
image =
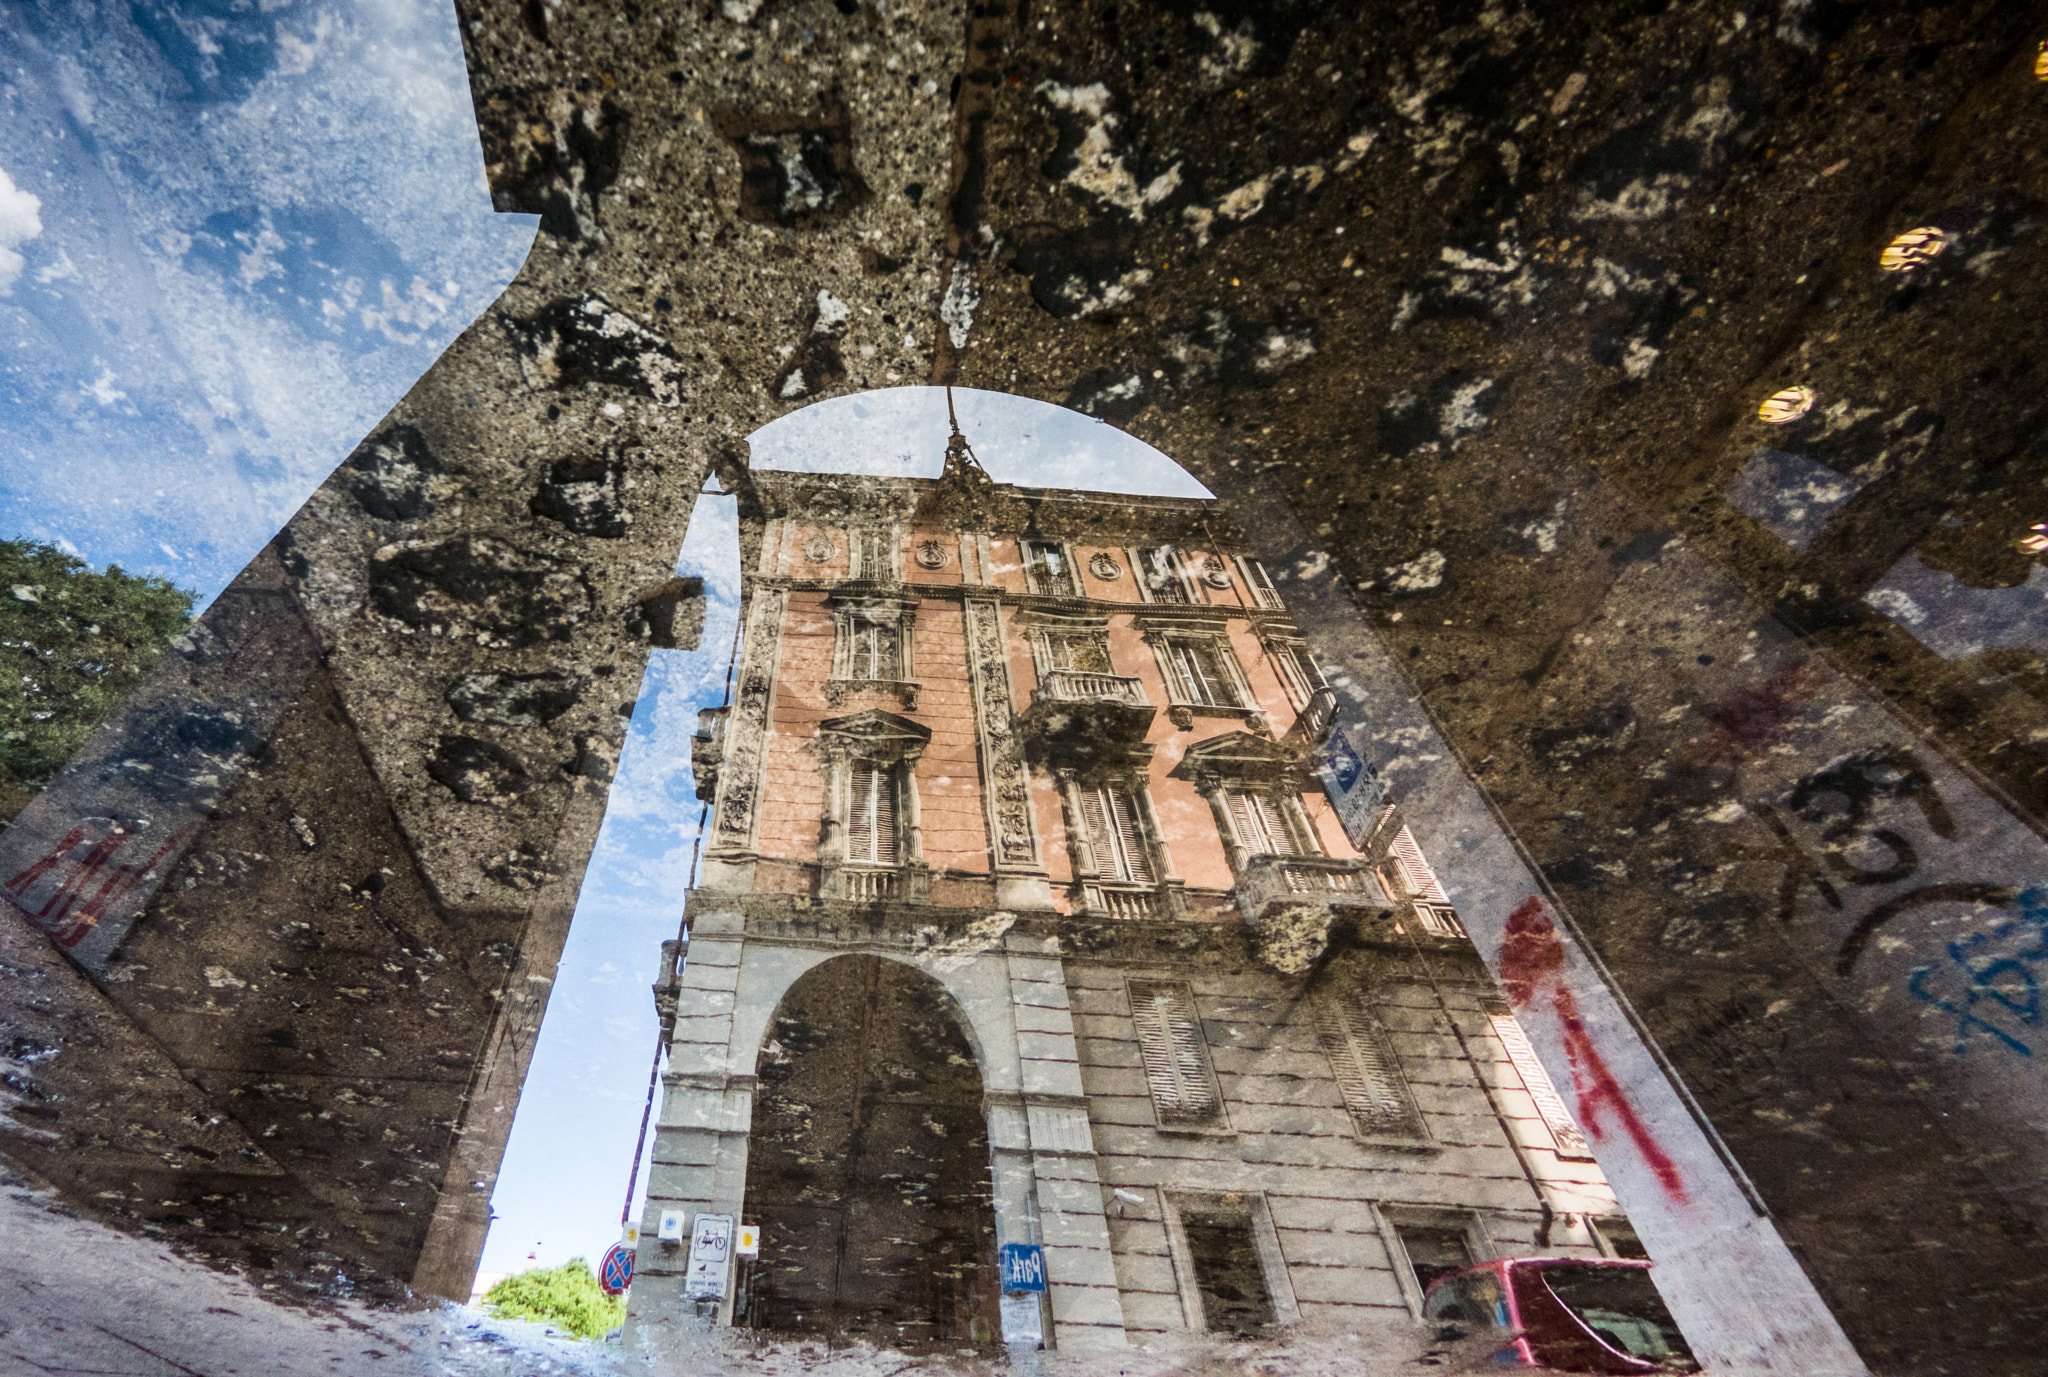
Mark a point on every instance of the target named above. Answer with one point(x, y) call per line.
point(1571, 1143)
point(1261, 823)
point(1415, 870)
point(1111, 814)
point(1130, 836)
point(871, 816)
point(1175, 1055)
point(1369, 1075)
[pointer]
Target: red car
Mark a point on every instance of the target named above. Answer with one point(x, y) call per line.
point(1569, 1314)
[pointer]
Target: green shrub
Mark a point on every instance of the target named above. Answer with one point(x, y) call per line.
point(73, 643)
point(567, 1297)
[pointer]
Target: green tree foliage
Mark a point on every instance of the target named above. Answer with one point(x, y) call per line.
point(567, 1297)
point(73, 643)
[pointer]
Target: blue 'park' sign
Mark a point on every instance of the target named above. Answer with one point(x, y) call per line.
point(1023, 1267)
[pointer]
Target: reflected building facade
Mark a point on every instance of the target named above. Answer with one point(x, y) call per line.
point(1023, 918)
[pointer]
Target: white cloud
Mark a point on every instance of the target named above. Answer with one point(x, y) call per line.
point(20, 221)
point(102, 389)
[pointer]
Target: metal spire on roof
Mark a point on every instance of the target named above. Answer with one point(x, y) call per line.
point(957, 446)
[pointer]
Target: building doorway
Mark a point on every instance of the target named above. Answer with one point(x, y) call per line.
point(868, 1163)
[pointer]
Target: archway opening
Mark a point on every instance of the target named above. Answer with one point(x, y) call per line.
point(868, 1164)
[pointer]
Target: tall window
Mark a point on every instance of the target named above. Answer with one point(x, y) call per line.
point(1434, 1250)
point(871, 814)
point(1160, 568)
point(1200, 674)
point(1369, 1075)
point(1175, 1054)
point(874, 650)
point(1049, 570)
point(1261, 584)
point(1077, 650)
point(1111, 816)
point(873, 554)
point(1297, 669)
point(1228, 1274)
point(1267, 825)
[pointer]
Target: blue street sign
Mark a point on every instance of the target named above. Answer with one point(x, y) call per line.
point(615, 1273)
point(1023, 1267)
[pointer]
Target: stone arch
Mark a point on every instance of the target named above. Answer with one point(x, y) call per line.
point(868, 1165)
point(970, 971)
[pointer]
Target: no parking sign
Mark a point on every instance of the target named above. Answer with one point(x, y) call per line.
point(615, 1273)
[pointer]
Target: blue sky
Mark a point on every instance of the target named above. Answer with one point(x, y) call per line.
point(232, 235)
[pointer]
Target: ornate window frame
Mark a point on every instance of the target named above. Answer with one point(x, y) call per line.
point(896, 744)
point(1294, 664)
point(1212, 634)
point(1249, 763)
point(1164, 894)
point(1037, 580)
point(1265, 596)
point(895, 611)
point(1173, 567)
point(1045, 630)
point(874, 553)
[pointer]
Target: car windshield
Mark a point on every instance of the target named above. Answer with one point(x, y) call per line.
point(1621, 1307)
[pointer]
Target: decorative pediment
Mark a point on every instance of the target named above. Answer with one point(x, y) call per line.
point(1175, 619)
point(886, 603)
point(1237, 755)
point(1043, 619)
point(876, 728)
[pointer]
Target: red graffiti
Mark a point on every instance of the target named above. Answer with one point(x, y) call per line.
point(1531, 957)
point(75, 907)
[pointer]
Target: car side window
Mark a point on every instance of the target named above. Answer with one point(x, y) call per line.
point(1475, 1299)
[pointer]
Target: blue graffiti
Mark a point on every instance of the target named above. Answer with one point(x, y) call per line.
point(2005, 977)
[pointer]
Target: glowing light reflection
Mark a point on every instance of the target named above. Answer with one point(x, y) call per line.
point(1785, 406)
point(1913, 249)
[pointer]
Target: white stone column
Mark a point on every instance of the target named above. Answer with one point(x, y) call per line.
point(700, 1141)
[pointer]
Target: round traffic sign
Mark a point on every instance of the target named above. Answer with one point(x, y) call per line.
point(615, 1273)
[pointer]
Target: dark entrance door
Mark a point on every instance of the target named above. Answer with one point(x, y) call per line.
point(868, 1165)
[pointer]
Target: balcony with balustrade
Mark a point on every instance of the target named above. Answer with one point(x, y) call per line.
point(1078, 718)
point(873, 884)
point(1312, 725)
point(1291, 904)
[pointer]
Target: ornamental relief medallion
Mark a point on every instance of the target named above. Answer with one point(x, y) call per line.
point(819, 550)
point(1214, 574)
point(931, 555)
point(1105, 568)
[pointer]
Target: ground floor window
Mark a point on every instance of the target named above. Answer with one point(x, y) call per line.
point(1228, 1274)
